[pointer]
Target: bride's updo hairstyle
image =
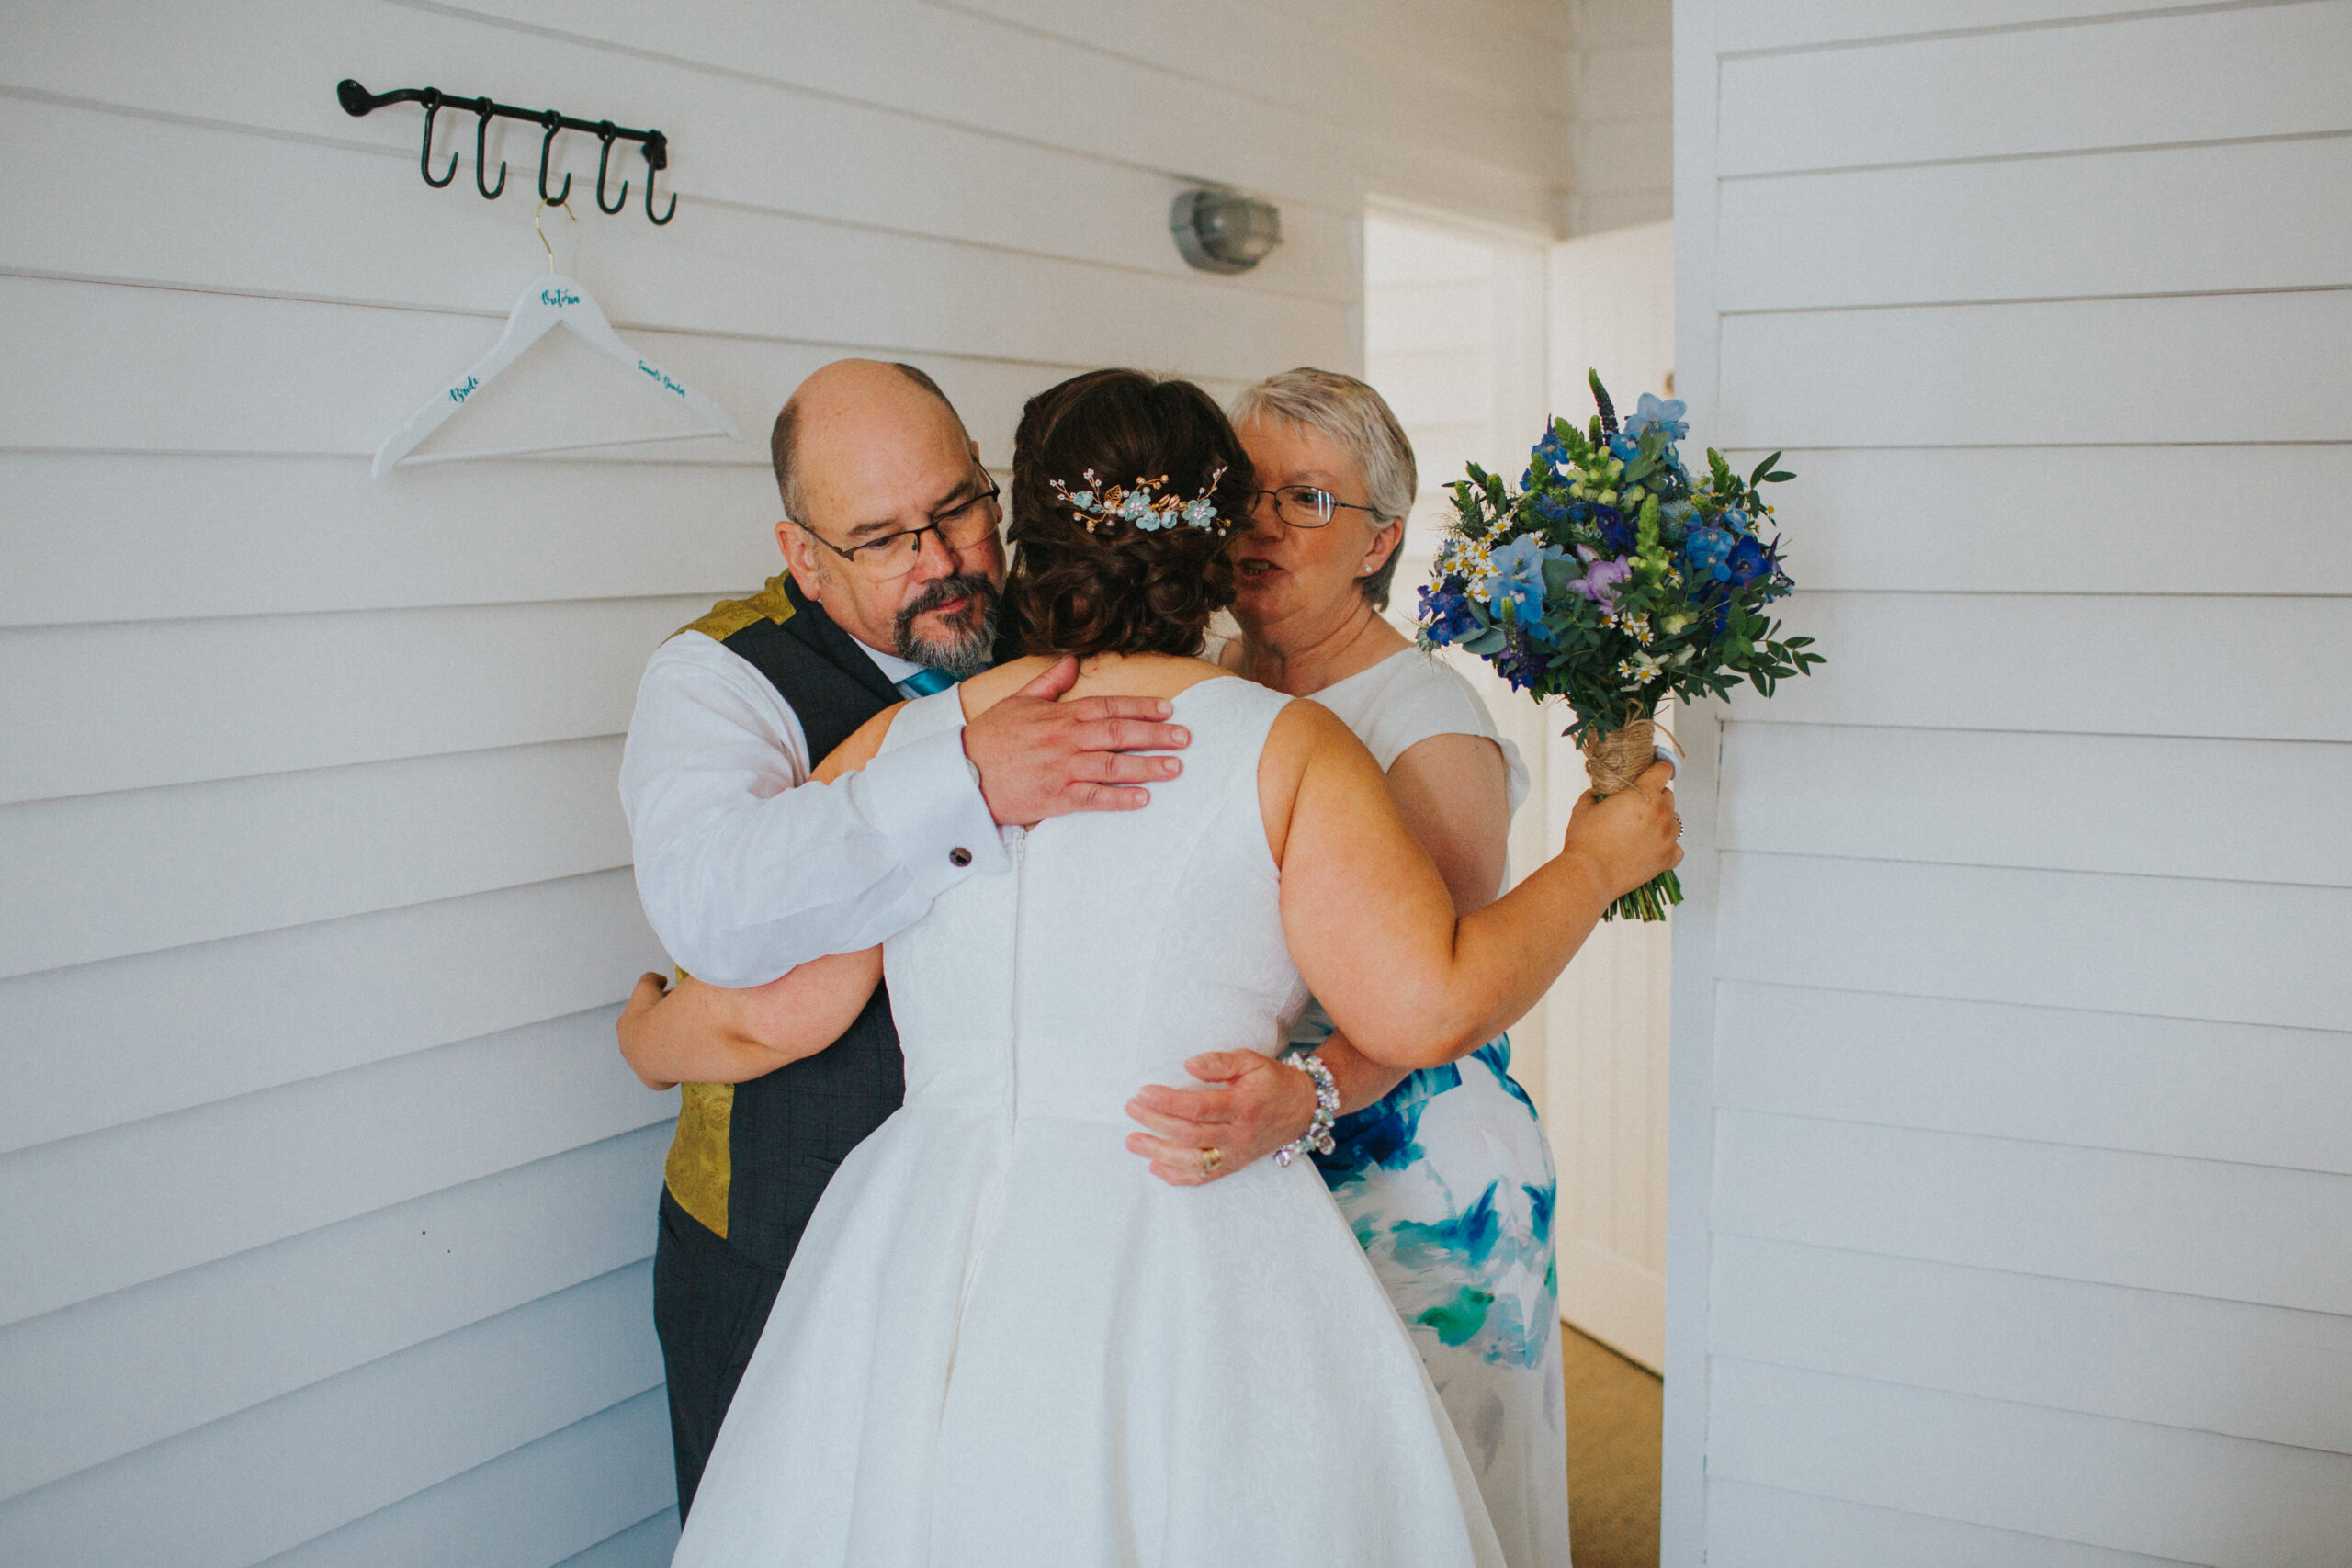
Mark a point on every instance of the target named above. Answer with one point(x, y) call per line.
point(1120, 588)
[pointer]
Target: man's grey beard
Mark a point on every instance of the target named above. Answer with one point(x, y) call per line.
point(961, 655)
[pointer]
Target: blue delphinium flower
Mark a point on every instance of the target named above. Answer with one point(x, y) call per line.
point(1551, 508)
point(1551, 451)
point(1445, 613)
point(1747, 563)
point(1622, 449)
point(1664, 413)
point(1616, 533)
point(1705, 553)
point(1519, 578)
point(1520, 664)
point(1735, 520)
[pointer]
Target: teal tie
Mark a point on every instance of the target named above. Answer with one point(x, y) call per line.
point(923, 682)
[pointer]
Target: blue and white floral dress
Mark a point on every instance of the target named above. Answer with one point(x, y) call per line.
point(1449, 1186)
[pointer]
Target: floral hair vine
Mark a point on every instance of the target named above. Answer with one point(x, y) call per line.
point(1110, 503)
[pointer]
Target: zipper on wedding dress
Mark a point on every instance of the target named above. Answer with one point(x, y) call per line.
point(990, 1210)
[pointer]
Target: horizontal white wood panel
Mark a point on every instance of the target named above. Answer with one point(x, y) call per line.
point(2197, 1227)
point(103, 875)
point(133, 1367)
point(571, 1491)
point(2236, 666)
point(96, 1214)
point(2108, 1080)
point(325, 377)
point(1490, 91)
point(1763, 1526)
point(2248, 953)
point(2154, 1490)
point(947, 181)
point(2085, 519)
point(2169, 221)
point(647, 1544)
point(92, 709)
point(2132, 803)
point(2259, 368)
point(243, 1488)
point(2226, 74)
point(2174, 1360)
point(948, 65)
point(101, 1045)
point(240, 536)
point(359, 241)
point(1799, 24)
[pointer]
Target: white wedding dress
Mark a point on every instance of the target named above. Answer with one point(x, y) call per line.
point(1002, 1340)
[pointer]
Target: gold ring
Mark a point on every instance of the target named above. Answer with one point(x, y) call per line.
point(1210, 1159)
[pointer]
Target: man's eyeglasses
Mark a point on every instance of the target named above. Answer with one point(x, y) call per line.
point(1304, 506)
point(894, 555)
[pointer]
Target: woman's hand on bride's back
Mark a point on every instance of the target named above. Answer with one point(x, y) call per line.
point(1631, 836)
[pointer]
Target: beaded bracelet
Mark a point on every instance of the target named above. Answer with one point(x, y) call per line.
point(1318, 1136)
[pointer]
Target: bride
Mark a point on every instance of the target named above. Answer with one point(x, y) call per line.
point(1002, 1340)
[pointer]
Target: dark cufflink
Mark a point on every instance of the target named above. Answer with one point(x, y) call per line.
point(959, 856)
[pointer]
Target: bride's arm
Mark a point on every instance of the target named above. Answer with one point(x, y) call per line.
point(698, 1034)
point(1373, 927)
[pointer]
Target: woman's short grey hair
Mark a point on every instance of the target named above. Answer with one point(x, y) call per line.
point(1363, 424)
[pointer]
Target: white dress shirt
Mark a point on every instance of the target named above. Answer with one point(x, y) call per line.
point(745, 868)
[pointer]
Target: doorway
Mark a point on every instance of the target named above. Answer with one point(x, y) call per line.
point(1475, 337)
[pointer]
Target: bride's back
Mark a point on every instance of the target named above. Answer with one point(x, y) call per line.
point(1119, 945)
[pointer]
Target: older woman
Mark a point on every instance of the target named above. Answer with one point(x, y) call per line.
point(1443, 1173)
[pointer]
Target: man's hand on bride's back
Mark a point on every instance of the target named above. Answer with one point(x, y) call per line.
point(1041, 757)
point(1632, 836)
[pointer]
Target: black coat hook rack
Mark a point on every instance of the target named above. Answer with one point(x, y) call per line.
point(357, 100)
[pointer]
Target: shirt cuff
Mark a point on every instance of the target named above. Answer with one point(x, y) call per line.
point(926, 799)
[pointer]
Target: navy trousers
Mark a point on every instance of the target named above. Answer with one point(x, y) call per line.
point(710, 1305)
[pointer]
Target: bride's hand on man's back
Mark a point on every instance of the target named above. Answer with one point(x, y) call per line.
point(1631, 836)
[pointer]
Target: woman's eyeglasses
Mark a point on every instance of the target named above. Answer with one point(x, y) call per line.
point(1305, 506)
point(895, 555)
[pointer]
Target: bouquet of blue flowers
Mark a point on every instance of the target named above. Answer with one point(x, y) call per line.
point(1612, 579)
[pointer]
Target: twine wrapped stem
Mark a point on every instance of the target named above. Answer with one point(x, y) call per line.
point(1615, 762)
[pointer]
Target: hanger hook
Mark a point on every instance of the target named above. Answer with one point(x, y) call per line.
point(554, 123)
point(537, 223)
point(424, 156)
point(605, 133)
point(657, 157)
point(481, 154)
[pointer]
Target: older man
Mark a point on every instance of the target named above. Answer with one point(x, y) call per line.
point(747, 869)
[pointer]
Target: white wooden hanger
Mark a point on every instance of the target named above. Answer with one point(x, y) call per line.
point(551, 301)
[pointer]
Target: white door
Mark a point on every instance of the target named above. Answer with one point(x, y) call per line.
point(1475, 337)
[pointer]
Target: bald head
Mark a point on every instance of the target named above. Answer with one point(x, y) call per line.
point(867, 452)
point(850, 409)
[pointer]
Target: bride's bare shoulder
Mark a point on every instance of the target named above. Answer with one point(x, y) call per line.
point(1139, 675)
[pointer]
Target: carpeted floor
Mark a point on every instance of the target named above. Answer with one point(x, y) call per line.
point(1613, 1413)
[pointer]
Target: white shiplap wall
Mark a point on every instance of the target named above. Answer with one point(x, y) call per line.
point(1621, 140)
point(2013, 1032)
point(325, 1206)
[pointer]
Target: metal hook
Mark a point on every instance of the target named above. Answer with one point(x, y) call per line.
point(605, 133)
point(424, 156)
point(657, 157)
point(538, 223)
point(482, 154)
point(554, 123)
